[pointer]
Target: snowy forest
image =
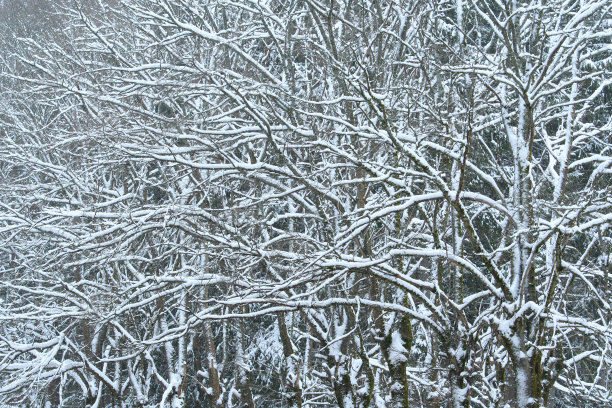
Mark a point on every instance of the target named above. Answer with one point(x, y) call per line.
point(305, 203)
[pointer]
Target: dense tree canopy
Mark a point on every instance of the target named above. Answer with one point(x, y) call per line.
point(305, 203)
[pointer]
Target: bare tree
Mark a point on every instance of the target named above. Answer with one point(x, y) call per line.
point(308, 203)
